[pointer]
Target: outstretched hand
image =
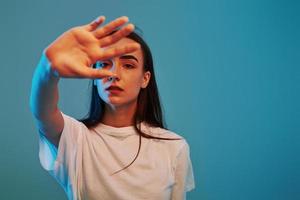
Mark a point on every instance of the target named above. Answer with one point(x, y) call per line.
point(72, 54)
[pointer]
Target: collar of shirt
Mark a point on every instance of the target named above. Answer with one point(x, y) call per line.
point(115, 131)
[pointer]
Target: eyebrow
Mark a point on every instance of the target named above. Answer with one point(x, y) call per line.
point(129, 57)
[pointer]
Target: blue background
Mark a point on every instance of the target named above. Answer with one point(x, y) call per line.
point(228, 75)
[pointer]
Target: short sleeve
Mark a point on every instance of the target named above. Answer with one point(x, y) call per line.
point(60, 162)
point(184, 176)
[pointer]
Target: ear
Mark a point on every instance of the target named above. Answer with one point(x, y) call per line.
point(146, 79)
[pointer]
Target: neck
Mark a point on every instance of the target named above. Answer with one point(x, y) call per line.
point(119, 116)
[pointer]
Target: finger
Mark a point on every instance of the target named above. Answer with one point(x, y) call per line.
point(123, 32)
point(87, 72)
point(118, 51)
point(108, 28)
point(94, 24)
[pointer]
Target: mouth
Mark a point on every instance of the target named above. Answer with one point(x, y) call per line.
point(114, 88)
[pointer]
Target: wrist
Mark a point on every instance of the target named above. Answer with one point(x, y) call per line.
point(47, 67)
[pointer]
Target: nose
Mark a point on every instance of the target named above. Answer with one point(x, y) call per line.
point(113, 78)
point(115, 69)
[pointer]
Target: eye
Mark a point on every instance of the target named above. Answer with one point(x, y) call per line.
point(130, 66)
point(101, 64)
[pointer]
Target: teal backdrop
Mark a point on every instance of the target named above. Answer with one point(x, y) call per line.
point(228, 74)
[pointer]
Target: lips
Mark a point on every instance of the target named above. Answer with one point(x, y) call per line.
point(114, 88)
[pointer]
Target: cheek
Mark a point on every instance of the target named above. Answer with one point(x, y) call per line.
point(133, 91)
point(134, 84)
point(101, 90)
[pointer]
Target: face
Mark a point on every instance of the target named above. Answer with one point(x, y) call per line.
point(131, 77)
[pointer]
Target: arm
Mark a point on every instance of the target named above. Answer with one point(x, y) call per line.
point(71, 56)
point(44, 99)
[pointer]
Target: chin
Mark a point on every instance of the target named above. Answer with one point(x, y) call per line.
point(117, 102)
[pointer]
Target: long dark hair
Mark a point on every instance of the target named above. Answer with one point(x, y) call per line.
point(148, 105)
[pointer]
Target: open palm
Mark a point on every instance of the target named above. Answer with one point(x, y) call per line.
point(73, 53)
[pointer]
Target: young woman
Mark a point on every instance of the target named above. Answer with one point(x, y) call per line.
point(121, 150)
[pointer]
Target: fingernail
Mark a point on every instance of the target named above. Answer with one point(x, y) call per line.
point(125, 18)
point(99, 18)
point(130, 27)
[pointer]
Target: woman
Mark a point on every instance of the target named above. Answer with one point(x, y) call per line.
point(121, 150)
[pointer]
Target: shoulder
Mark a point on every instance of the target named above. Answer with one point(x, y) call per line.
point(162, 132)
point(174, 145)
point(72, 122)
point(73, 128)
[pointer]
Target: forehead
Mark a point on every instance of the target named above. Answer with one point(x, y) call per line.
point(125, 41)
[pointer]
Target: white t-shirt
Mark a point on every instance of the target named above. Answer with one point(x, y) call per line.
point(86, 158)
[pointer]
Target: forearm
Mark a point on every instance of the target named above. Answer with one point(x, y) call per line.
point(44, 91)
